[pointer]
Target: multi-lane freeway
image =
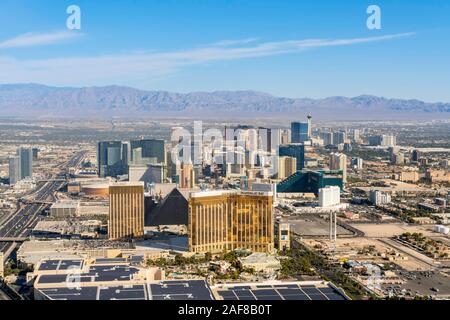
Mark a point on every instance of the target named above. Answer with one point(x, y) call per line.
point(20, 224)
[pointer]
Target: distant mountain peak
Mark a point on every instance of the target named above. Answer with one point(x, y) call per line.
point(32, 98)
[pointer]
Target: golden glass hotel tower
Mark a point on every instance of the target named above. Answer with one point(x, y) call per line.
point(228, 220)
point(126, 210)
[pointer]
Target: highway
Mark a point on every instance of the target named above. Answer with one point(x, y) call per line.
point(20, 223)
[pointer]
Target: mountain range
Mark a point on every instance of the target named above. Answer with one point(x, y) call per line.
point(41, 100)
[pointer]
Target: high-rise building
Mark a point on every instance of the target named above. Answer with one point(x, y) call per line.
point(266, 137)
point(309, 126)
point(375, 140)
point(339, 137)
point(388, 140)
point(14, 170)
point(126, 210)
point(253, 139)
point(239, 132)
point(229, 220)
point(35, 153)
point(136, 156)
point(329, 196)
point(26, 162)
point(385, 140)
point(112, 158)
point(398, 158)
point(186, 176)
point(153, 150)
point(287, 166)
point(347, 147)
point(301, 131)
point(327, 138)
point(126, 155)
point(378, 198)
point(294, 150)
point(356, 135)
point(338, 161)
point(357, 163)
point(285, 136)
point(415, 156)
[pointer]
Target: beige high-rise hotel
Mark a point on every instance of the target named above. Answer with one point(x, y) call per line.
point(126, 210)
point(228, 220)
point(287, 166)
point(338, 161)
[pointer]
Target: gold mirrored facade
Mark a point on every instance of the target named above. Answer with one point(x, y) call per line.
point(126, 210)
point(223, 221)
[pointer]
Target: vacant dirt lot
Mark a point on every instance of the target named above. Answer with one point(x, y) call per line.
point(388, 230)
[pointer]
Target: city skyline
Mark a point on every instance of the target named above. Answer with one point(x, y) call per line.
point(373, 187)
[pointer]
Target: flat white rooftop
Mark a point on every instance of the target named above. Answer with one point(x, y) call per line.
point(66, 204)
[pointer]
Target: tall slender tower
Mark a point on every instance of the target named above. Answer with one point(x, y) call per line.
point(309, 126)
point(26, 162)
point(14, 170)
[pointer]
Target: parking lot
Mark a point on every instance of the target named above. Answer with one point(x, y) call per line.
point(425, 283)
point(313, 226)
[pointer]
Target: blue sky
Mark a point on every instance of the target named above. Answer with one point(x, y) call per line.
point(295, 48)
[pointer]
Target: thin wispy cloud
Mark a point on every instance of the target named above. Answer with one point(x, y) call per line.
point(38, 39)
point(126, 68)
point(227, 43)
